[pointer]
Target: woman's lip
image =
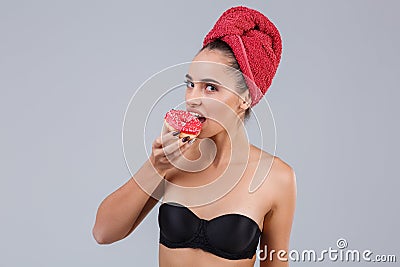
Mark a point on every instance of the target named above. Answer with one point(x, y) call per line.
point(196, 113)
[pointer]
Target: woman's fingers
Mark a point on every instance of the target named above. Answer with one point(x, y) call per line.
point(174, 146)
point(180, 152)
point(177, 154)
point(169, 146)
point(165, 139)
point(165, 129)
point(169, 137)
point(156, 143)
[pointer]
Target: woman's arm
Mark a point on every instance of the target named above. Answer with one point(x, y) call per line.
point(278, 222)
point(123, 210)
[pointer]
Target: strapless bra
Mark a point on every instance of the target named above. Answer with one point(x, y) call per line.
point(231, 236)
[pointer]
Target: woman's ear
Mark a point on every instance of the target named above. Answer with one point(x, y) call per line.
point(246, 102)
point(244, 105)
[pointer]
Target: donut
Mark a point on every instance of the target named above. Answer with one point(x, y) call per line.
point(183, 121)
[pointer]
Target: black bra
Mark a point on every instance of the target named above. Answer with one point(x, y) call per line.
point(231, 236)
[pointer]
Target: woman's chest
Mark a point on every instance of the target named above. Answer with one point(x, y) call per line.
point(214, 193)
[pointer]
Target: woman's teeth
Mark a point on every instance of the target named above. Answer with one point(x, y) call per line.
point(197, 115)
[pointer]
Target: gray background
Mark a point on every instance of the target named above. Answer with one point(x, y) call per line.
point(68, 70)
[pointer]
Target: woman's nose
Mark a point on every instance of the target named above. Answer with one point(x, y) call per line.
point(194, 95)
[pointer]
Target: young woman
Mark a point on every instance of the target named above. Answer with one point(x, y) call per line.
point(219, 224)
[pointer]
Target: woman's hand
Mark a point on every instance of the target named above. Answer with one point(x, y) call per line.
point(166, 149)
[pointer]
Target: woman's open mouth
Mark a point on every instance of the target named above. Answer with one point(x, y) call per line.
point(201, 118)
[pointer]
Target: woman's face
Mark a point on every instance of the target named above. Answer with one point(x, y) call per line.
point(211, 92)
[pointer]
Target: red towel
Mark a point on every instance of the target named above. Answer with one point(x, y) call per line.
point(256, 43)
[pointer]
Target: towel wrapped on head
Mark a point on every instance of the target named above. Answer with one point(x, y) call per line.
point(256, 43)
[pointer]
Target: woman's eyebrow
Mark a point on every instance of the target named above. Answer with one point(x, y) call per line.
point(210, 81)
point(204, 80)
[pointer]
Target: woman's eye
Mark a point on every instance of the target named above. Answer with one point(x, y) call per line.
point(211, 88)
point(189, 84)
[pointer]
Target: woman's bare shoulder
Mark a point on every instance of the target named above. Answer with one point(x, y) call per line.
point(280, 171)
point(276, 184)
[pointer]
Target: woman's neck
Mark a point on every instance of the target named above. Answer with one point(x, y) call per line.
point(232, 146)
